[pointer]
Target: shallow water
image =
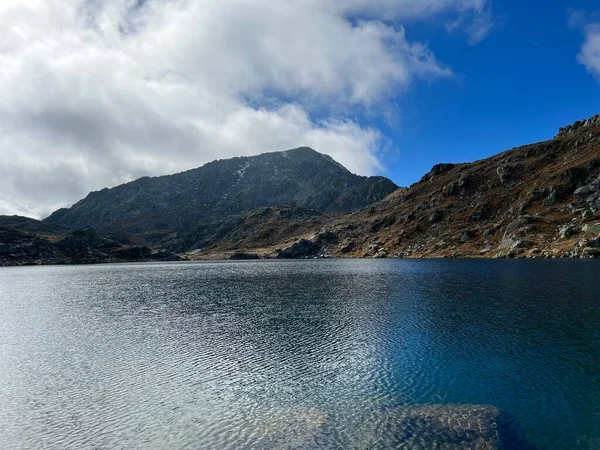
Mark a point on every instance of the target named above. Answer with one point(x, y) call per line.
point(298, 354)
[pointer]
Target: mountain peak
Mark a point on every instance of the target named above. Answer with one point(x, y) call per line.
point(300, 177)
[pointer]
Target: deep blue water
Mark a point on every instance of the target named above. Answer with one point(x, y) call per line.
point(306, 354)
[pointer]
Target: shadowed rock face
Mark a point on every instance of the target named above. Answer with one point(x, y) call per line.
point(75, 247)
point(301, 177)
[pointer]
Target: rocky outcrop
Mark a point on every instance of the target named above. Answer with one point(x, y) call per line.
point(75, 247)
point(570, 130)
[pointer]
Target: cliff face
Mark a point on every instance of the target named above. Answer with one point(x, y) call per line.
point(540, 200)
point(300, 177)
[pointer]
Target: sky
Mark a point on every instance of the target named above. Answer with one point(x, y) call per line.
point(94, 93)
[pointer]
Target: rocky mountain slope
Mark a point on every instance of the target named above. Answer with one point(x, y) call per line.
point(540, 200)
point(157, 206)
point(25, 241)
point(537, 201)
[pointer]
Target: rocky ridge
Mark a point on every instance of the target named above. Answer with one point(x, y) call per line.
point(42, 244)
point(537, 201)
point(160, 206)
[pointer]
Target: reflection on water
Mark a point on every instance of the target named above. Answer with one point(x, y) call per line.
point(309, 354)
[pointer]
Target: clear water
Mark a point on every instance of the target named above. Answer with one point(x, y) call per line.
point(307, 354)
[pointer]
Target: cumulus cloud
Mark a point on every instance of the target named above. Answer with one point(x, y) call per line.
point(590, 50)
point(97, 92)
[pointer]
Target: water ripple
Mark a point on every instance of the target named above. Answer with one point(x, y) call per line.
point(314, 354)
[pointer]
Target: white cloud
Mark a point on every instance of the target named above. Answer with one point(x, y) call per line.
point(97, 92)
point(590, 50)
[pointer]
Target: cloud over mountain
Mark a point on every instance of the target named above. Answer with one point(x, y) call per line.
point(98, 92)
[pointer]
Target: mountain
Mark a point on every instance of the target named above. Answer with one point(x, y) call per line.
point(300, 178)
point(539, 200)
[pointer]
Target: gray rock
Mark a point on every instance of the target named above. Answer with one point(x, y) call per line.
point(347, 246)
point(465, 236)
point(502, 172)
point(485, 250)
point(584, 190)
point(587, 214)
point(518, 223)
point(536, 194)
point(439, 169)
point(435, 217)
point(592, 228)
point(451, 188)
point(477, 215)
point(488, 233)
point(566, 231)
point(523, 207)
point(442, 245)
point(381, 254)
point(552, 197)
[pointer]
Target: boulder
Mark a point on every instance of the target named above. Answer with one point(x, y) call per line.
point(536, 194)
point(518, 223)
point(439, 169)
point(583, 191)
point(347, 246)
point(552, 198)
point(502, 172)
point(435, 217)
point(592, 228)
point(566, 231)
point(301, 249)
point(488, 233)
point(587, 214)
point(383, 253)
point(593, 252)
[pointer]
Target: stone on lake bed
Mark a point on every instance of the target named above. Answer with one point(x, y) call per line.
point(289, 429)
point(451, 427)
point(414, 427)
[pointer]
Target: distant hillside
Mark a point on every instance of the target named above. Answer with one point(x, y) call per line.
point(25, 241)
point(299, 178)
point(540, 201)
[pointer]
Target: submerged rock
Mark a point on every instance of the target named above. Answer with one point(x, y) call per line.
point(289, 429)
point(456, 427)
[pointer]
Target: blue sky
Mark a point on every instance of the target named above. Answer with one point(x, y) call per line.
point(517, 86)
point(95, 93)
